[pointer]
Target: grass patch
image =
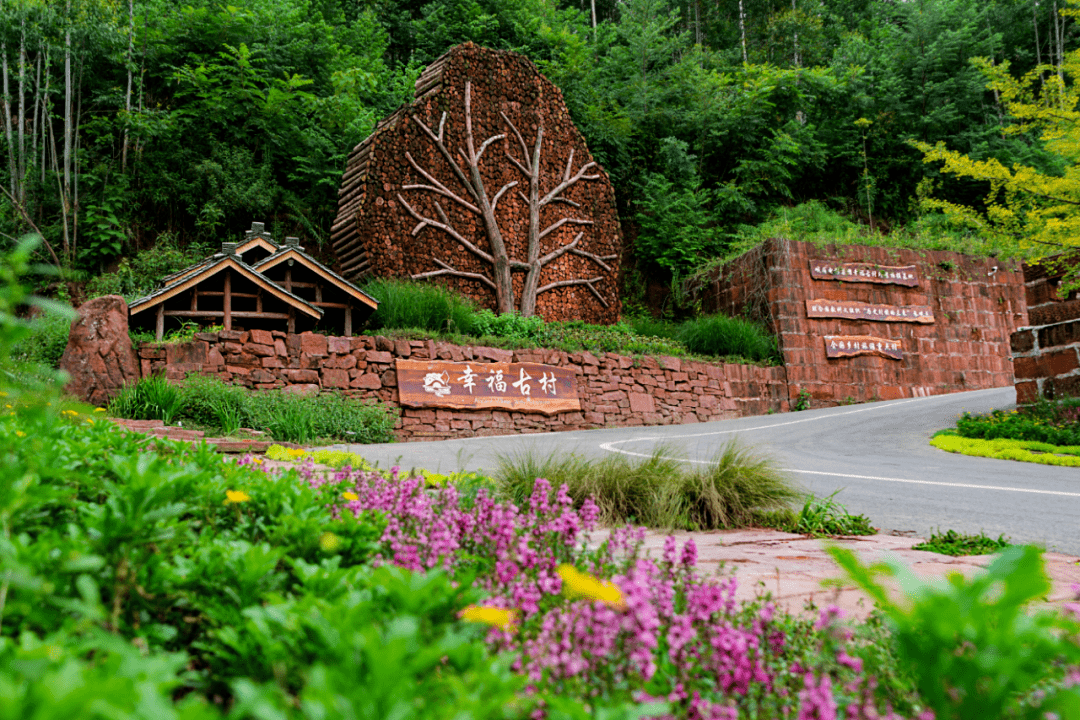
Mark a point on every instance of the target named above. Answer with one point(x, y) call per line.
point(46, 341)
point(223, 409)
point(957, 544)
point(1005, 449)
point(425, 306)
point(820, 517)
point(1056, 422)
point(413, 310)
point(657, 491)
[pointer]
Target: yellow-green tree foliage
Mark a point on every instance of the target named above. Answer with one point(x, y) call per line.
point(1036, 212)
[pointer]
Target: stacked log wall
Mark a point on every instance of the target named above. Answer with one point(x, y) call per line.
point(373, 232)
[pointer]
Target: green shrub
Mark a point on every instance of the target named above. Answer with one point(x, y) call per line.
point(213, 403)
point(425, 306)
point(648, 326)
point(820, 517)
point(139, 275)
point(46, 340)
point(657, 491)
point(507, 325)
point(1049, 421)
point(974, 648)
point(150, 398)
point(720, 335)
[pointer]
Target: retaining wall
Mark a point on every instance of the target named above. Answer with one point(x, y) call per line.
point(614, 390)
point(976, 307)
point(1047, 361)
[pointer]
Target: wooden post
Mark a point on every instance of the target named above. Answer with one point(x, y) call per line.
point(348, 321)
point(194, 299)
point(227, 300)
point(288, 278)
point(291, 327)
point(258, 300)
point(159, 332)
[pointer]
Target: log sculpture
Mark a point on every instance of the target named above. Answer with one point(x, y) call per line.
point(484, 182)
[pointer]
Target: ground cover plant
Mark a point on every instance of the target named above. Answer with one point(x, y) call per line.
point(1056, 422)
point(1004, 449)
point(658, 491)
point(223, 409)
point(958, 544)
point(820, 517)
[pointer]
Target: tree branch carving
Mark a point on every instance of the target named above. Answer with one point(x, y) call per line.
point(464, 163)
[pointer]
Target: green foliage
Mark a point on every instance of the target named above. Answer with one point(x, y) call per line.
point(420, 305)
point(721, 335)
point(211, 403)
point(1031, 451)
point(149, 398)
point(47, 339)
point(802, 401)
point(974, 647)
point(820, 517)
point(658, 491)
point(957, 544)
point(139, 275)
point(507, 325)
point(1047, 421)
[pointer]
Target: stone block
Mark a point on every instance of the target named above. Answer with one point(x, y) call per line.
point(313, 344)
point(335, 378)
point(301, 376)
point(260, 350)
point(339, 345)
point(262, 337)
point(304, 389)
point(340, 362)
point(641, 403)
point(367, 381)
point(379, 356)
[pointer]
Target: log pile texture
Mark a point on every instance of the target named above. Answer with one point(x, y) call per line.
point(404, 211)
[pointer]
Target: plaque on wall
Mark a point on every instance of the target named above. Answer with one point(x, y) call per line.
point(864, 273)
point(852, 310)
point(842, 346)
point(522, 387)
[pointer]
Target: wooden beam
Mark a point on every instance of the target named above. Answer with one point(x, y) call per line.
point(159, 331)
point(258, 301)
point(290, 328)
point(227, 305)
point(221, 313)
point(195, 298)
point(216, 293)
point(288, 278)
point(348, 321)
point(318, 294)
point(341, 306)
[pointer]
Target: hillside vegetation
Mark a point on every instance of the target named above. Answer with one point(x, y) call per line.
point(133, 124)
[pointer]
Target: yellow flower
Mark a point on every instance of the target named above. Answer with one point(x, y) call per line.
point(329, 542)
point(496, 617)
point(350, 496)
point(236, 496)
point(296, 452)
point(20, 433)
point(99, 409)
point(8, 407)
point(70, 412)
point(579, 584)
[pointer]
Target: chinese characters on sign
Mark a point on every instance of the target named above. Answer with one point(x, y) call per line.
point(851, 310)
point(864, 273)
point(524, 387)
point(841, 346)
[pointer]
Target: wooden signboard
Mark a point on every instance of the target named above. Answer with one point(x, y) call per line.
point(523, 387)
point(864, 273)
point(851, 310)
point(842, 346)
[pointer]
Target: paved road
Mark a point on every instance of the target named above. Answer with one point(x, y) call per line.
point(876, 455)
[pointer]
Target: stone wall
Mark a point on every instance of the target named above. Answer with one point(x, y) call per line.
point(1046, 360)
point(614, 390)
point(976, 307)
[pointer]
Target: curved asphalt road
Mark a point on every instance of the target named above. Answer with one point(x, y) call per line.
point(877, 455)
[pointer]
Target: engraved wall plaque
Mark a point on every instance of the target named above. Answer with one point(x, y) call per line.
point(852, 310)
point(906, 275)
point(842, 346)
point(522, 387)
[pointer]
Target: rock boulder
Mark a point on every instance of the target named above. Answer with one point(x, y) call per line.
point(99, 357)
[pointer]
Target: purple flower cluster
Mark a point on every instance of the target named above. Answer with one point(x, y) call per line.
point(676, 636)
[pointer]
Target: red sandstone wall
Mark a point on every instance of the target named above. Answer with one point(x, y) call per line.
point(614, 390)
point(1047, 361)
point(967, 347)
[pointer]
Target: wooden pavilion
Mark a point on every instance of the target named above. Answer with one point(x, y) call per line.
point(255, 284)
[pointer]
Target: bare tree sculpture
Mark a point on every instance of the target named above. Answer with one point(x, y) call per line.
point(477, 202)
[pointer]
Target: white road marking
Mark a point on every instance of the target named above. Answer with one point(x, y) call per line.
point(933, 482)
point(610, 447)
